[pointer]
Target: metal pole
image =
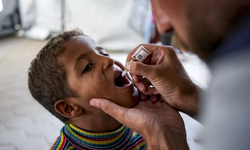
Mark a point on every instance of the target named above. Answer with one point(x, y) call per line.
point(63, 14)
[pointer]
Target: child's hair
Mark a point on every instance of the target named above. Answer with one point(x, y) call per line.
point(47, 77)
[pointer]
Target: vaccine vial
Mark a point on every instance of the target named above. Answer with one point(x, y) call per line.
point(140, 54)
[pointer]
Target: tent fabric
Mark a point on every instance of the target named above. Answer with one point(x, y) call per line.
point(115, 24)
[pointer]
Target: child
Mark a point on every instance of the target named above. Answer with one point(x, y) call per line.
point(70, 70)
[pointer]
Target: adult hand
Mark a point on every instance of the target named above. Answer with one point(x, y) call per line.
point(159, 124)
point(164, 71)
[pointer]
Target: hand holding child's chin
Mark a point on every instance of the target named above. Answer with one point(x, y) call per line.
point(146, 118)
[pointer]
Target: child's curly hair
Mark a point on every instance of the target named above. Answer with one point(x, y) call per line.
point(47, 77)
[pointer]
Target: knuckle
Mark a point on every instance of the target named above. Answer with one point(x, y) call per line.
point(170, 51)
point(124, 114)
point(106, 108)
point(134, 66)
point(153, 74)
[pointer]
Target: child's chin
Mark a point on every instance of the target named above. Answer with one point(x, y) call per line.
point(129, 99)
point(135, 97)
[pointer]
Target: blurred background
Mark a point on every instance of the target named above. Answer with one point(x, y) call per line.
point(26, 25)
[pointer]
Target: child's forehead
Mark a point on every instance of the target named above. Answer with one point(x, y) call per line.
point(84, 42)
point(81, 41)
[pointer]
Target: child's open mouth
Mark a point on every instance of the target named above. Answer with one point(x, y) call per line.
point(121, 81)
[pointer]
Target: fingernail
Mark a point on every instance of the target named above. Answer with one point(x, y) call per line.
point(128, 66)
point(156, 93)
point(94, 103)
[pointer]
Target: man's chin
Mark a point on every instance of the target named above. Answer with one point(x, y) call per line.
point(201, 47)
point(179, 44)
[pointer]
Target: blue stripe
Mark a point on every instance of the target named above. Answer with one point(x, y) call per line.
point(58, 141)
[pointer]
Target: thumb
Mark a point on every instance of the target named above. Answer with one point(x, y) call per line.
point(114, 110)
point(140, 69)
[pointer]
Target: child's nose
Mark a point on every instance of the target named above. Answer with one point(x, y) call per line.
point(107, 62)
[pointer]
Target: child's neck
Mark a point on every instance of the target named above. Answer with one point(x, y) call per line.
point(96, 124)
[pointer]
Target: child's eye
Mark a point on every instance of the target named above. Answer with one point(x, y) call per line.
point(87, 68)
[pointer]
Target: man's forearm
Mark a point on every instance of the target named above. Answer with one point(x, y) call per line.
point(191, 104)
point(167, 139)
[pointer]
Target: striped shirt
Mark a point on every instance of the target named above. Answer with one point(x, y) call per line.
point(74, 138)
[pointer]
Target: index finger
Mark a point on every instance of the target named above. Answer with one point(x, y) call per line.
point(114, 110)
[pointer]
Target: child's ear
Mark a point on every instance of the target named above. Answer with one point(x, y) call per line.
point(67, 109)
point(119, 64)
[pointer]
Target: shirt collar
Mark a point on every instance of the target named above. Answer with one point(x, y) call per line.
point(108, 140)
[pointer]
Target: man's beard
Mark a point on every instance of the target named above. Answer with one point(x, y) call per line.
point(200, 42)
point(201, 38)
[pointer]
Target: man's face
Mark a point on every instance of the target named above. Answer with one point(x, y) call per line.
point(91, 73)
point(191, 23)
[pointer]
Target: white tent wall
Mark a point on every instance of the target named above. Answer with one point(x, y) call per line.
point(27, 13)
point(49, 14)
point(115, 24)
point(43, 13)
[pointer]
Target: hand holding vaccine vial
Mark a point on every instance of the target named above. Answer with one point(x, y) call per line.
point(140, 54)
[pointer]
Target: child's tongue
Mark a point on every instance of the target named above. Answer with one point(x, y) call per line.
point(121, 81)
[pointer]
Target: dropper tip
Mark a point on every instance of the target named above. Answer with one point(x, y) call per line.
point(124, 72)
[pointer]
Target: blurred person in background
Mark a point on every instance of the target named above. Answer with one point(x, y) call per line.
point(218, 32)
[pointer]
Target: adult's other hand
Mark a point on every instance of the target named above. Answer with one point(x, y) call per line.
point(159, 124)
point(163, 70)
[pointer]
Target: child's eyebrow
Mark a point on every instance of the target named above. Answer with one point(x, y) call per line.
point(82, 56)
point(99, 48)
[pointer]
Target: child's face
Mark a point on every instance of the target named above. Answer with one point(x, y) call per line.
point(93, 74)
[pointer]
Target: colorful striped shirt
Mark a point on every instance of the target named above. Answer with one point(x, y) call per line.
point(74, 138)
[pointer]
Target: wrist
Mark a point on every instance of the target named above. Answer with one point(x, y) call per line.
point(167, 139)
point(189, 103)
